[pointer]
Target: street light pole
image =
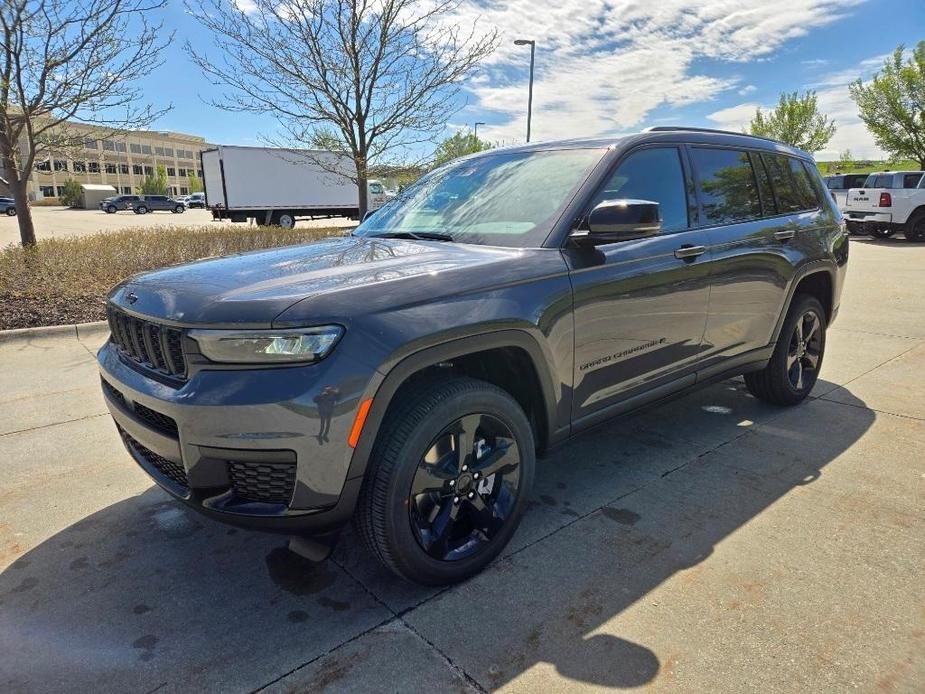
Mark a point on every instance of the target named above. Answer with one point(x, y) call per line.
point(532, 44)
point(478, 123)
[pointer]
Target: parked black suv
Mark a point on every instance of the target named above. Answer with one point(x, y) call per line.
point(119, 202)
point(153, 203)
point(406, 375)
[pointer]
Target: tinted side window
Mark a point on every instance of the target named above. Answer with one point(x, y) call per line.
point(729, 192)
point(792, 184)
point(855, 181)
point(879, 181)
point(911, 180)
point(652, 174)
point(835, 183)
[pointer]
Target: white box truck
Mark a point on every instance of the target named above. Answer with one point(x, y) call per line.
point(277, 186)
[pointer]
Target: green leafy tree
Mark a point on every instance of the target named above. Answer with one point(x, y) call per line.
point(195, 184)
point(70, 193)
point(892, 105)
point(155, 184)
point(845, 161)
point(459, 145)
point(796, 121)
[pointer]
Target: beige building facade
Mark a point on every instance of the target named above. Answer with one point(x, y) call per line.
point(121, 160)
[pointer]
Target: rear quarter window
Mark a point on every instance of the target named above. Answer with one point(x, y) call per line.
point(875, 181)
point(791, 182)
point(912, 180)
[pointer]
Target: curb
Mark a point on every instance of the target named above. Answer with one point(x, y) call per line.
point(78, 331)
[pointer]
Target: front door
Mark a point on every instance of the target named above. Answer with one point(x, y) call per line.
point(640, 306)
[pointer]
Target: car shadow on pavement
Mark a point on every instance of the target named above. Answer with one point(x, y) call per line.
point(145, 594)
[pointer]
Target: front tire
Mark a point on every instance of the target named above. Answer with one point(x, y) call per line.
point(794, 367)
point(285, 220)
point(111, 209)
point(10, 211)
point(448, 482)
point(179, 209)
point(141, 210)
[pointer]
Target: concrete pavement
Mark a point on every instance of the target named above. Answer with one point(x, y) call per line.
point(712, 544)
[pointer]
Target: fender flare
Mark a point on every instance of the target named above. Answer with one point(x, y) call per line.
point(813, 268)
point(383, 387)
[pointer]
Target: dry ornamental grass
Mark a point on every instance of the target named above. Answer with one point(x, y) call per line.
point(63, 281)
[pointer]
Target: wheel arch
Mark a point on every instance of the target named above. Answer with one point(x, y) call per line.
point(510, 359)
point(817, 280)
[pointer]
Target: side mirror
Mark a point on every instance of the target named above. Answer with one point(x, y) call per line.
point(621, 220)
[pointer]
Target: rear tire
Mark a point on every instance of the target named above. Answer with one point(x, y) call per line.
point(285, 220)
point(10, 211)
point(141, 210)
point(179, 209)
point(111, 209)
point(794, 367)
point(426, 511)
point(914, 229)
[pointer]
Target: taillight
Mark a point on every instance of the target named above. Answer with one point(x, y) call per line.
point(886, 200)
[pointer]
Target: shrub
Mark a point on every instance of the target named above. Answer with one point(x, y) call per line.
point(66, 280)
point(70, 195)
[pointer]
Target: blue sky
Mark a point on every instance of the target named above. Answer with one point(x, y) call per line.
point(613, 66)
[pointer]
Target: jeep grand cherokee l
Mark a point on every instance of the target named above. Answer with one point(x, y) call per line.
point(405, 376)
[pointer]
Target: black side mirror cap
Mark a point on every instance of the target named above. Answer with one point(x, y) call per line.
point(621, 220)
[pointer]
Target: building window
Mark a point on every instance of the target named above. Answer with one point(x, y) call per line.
point(123, 169)
point(47, 191)
point(60, 191)
point(80, 167)
point(168, 151)
point(120, 146)
point(43, 166)
point(60, 165)
point(136, 149)
point(93, 167)
point(109, 145)
point(149, 171)
point(137, 170)
point(111, 168)
point(198, 173)
point(146, 149)
point(172, 172)
point(90, 143)
point(184, 154)
point(126, 190)
point(182, 173)
point(159, 151)
point(184, 190)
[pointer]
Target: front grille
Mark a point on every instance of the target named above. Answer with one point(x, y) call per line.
point(154, 346)
point(161, 422)
point(173, 471)
point(266, 482)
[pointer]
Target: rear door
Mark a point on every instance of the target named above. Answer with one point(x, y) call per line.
point(758, 210)
point(640, 305)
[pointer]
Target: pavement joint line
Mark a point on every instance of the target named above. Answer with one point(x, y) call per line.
point(874, 332)
point(883, 363)
point(474, 683)
point(328, 652)
point(873, 409)
point(53, 424)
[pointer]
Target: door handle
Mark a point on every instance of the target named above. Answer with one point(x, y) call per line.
point(688, 252)
point(785, 235)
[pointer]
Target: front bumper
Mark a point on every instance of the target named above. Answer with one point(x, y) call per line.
point(252, 447)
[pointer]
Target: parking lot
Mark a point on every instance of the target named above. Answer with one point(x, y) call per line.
point(714, 543)
point(60, 222)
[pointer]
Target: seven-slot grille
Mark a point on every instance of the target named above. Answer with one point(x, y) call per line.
point(155, 346)
point(267, 482)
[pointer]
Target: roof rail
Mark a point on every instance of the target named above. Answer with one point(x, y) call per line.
point(671, 128)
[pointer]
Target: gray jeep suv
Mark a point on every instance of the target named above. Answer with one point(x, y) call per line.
point(407, 375)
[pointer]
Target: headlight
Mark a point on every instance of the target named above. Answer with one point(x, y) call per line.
point(267, 346)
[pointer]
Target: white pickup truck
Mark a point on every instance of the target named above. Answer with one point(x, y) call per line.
point(890, 201)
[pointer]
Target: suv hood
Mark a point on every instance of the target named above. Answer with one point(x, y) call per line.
point(252, 289)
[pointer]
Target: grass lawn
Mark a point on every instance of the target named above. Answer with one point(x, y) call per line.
point(832, 167)
point(66, 280)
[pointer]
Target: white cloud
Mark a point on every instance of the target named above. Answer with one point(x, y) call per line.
point(747, 89)
point(602, 65)
point(735, 118)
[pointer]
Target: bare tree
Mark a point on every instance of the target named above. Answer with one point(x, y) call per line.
point(69, 61)
point(368, 79)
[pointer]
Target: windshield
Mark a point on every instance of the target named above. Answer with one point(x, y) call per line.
point(503, 199)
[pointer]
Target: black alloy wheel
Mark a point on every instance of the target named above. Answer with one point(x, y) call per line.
point(805, 350)
point(465, 487)
point(448, 480)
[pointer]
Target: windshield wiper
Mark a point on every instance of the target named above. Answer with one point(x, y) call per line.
point(416, 235)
